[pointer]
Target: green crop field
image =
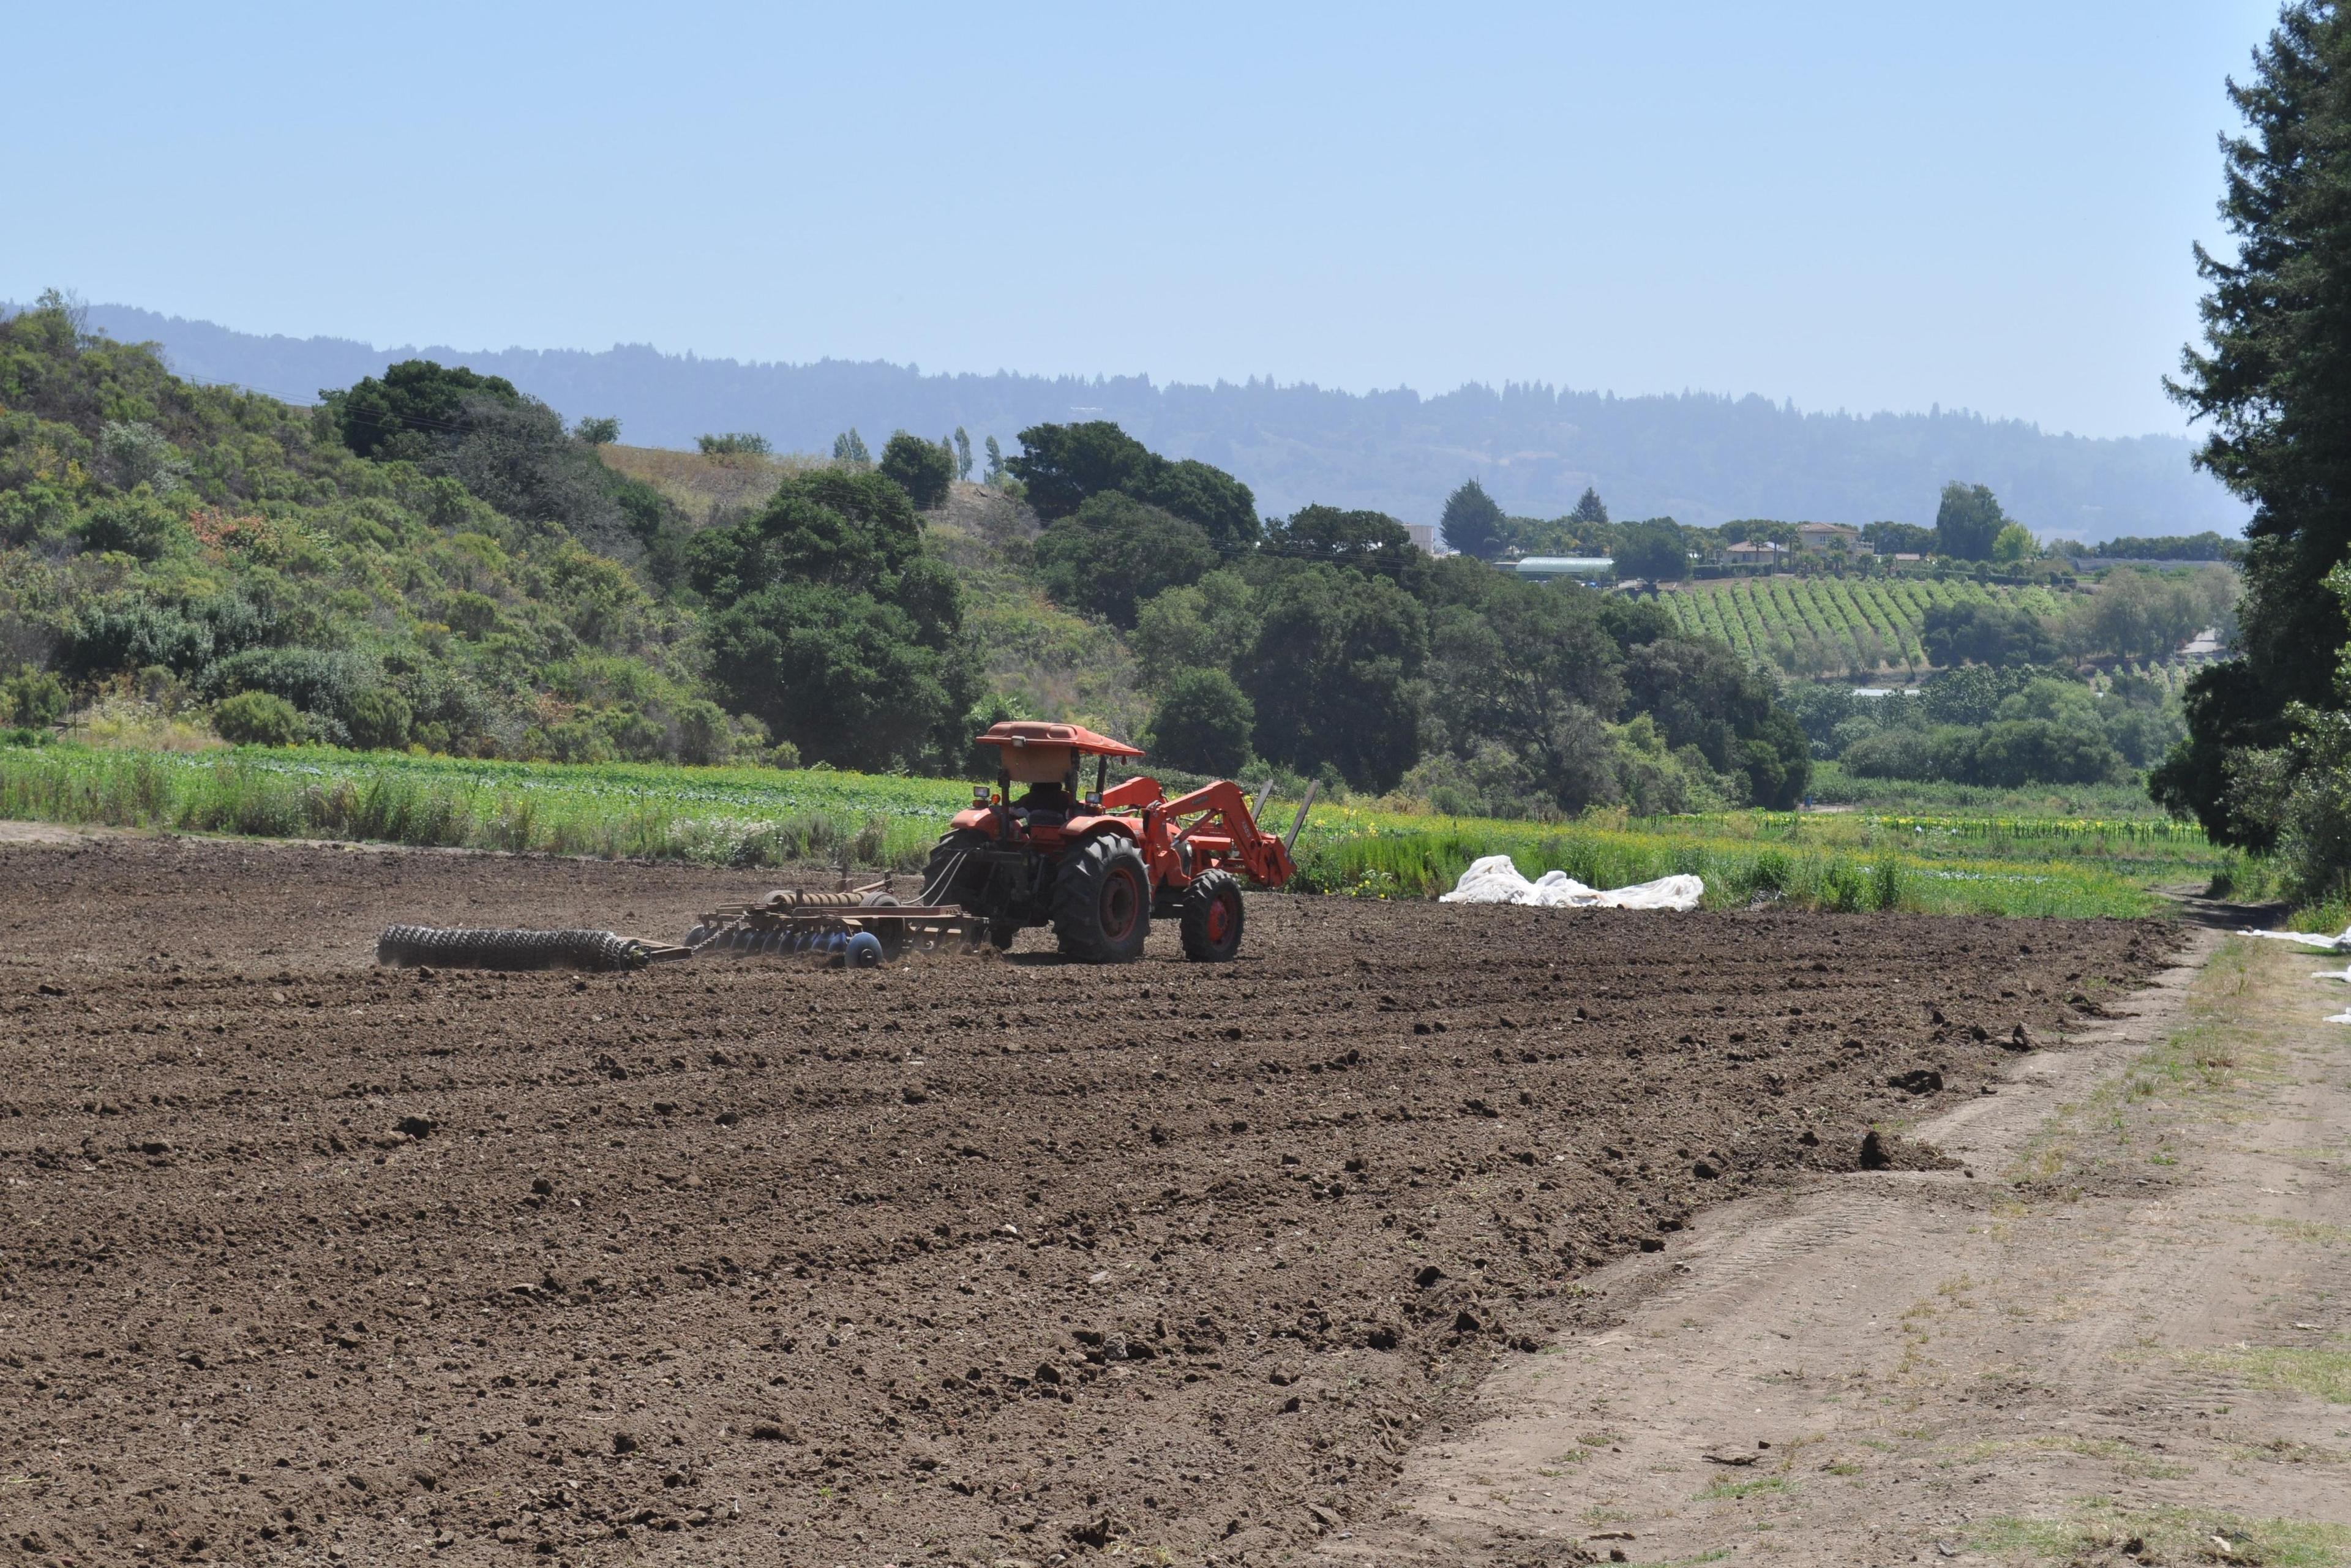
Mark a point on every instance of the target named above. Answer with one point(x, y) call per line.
point(1822, 625)
point(763, 817)
point(1833, 785)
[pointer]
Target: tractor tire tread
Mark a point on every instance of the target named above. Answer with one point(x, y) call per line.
point(1077, 903)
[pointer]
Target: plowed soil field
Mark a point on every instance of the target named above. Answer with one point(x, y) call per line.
point(966, 1259)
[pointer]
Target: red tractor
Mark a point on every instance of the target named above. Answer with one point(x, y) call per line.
point(1097, 866)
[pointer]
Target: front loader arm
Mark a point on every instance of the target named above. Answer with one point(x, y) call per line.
point(1215, 820)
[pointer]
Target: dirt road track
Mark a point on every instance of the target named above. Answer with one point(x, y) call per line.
point(2138, 1336)
point(967, 1262)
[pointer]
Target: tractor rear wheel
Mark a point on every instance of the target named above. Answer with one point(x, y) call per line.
point(1212, 917)
point(945, 881)
point(1101, 902)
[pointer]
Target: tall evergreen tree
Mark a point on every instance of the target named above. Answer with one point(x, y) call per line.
point(995, 461)
point(962, 453)
point(1591, 509)
point(1472, 523)
point(2271, 382)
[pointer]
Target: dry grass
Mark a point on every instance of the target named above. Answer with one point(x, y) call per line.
point(702, 486)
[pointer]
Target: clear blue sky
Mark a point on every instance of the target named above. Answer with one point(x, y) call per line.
point(1862, 206)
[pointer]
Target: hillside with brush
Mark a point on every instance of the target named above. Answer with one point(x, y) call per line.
point(176, 559)
point(430, 561)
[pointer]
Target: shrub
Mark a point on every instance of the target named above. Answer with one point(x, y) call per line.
point(379, 719)
point(735, 444)
point(133, 454)
point(135, 524)
point(32, 697)
point(313, 679)
point(703, 735)
point(1911, 754)
point(125, 633)
point(474, 615)
point(258, 719)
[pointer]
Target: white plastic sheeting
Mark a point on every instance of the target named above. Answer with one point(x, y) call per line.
point(1494, 880)
point(2308, 938)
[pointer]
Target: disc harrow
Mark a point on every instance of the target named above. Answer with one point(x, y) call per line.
point(856, 929)
point(859, 927)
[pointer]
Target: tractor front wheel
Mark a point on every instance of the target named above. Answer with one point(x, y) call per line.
point(1212, 917)
point(1102, 903)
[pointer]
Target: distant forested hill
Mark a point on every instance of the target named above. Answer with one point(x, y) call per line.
point(1698, 457)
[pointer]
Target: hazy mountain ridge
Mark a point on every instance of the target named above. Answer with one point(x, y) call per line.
point(1701, 457)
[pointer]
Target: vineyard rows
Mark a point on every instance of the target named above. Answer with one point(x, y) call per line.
point(1826, 625)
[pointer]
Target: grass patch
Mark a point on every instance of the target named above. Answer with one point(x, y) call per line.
point(2322, 1373)
point(2226, 1042)
point(1833, 785)
point(2122, 1456)
point(2317, 1233)
point(1734, 1491)
point(2330, 917)
point(2286, 1451)
point(2167, 1535)
point(719, 816)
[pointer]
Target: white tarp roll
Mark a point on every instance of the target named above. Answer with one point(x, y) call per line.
point(1494, 880)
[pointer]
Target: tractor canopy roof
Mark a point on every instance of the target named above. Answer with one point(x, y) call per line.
point(1020, 735)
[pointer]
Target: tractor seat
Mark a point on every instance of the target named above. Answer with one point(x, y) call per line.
point(1047, 805)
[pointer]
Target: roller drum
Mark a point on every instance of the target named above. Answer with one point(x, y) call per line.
point(413, 946)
